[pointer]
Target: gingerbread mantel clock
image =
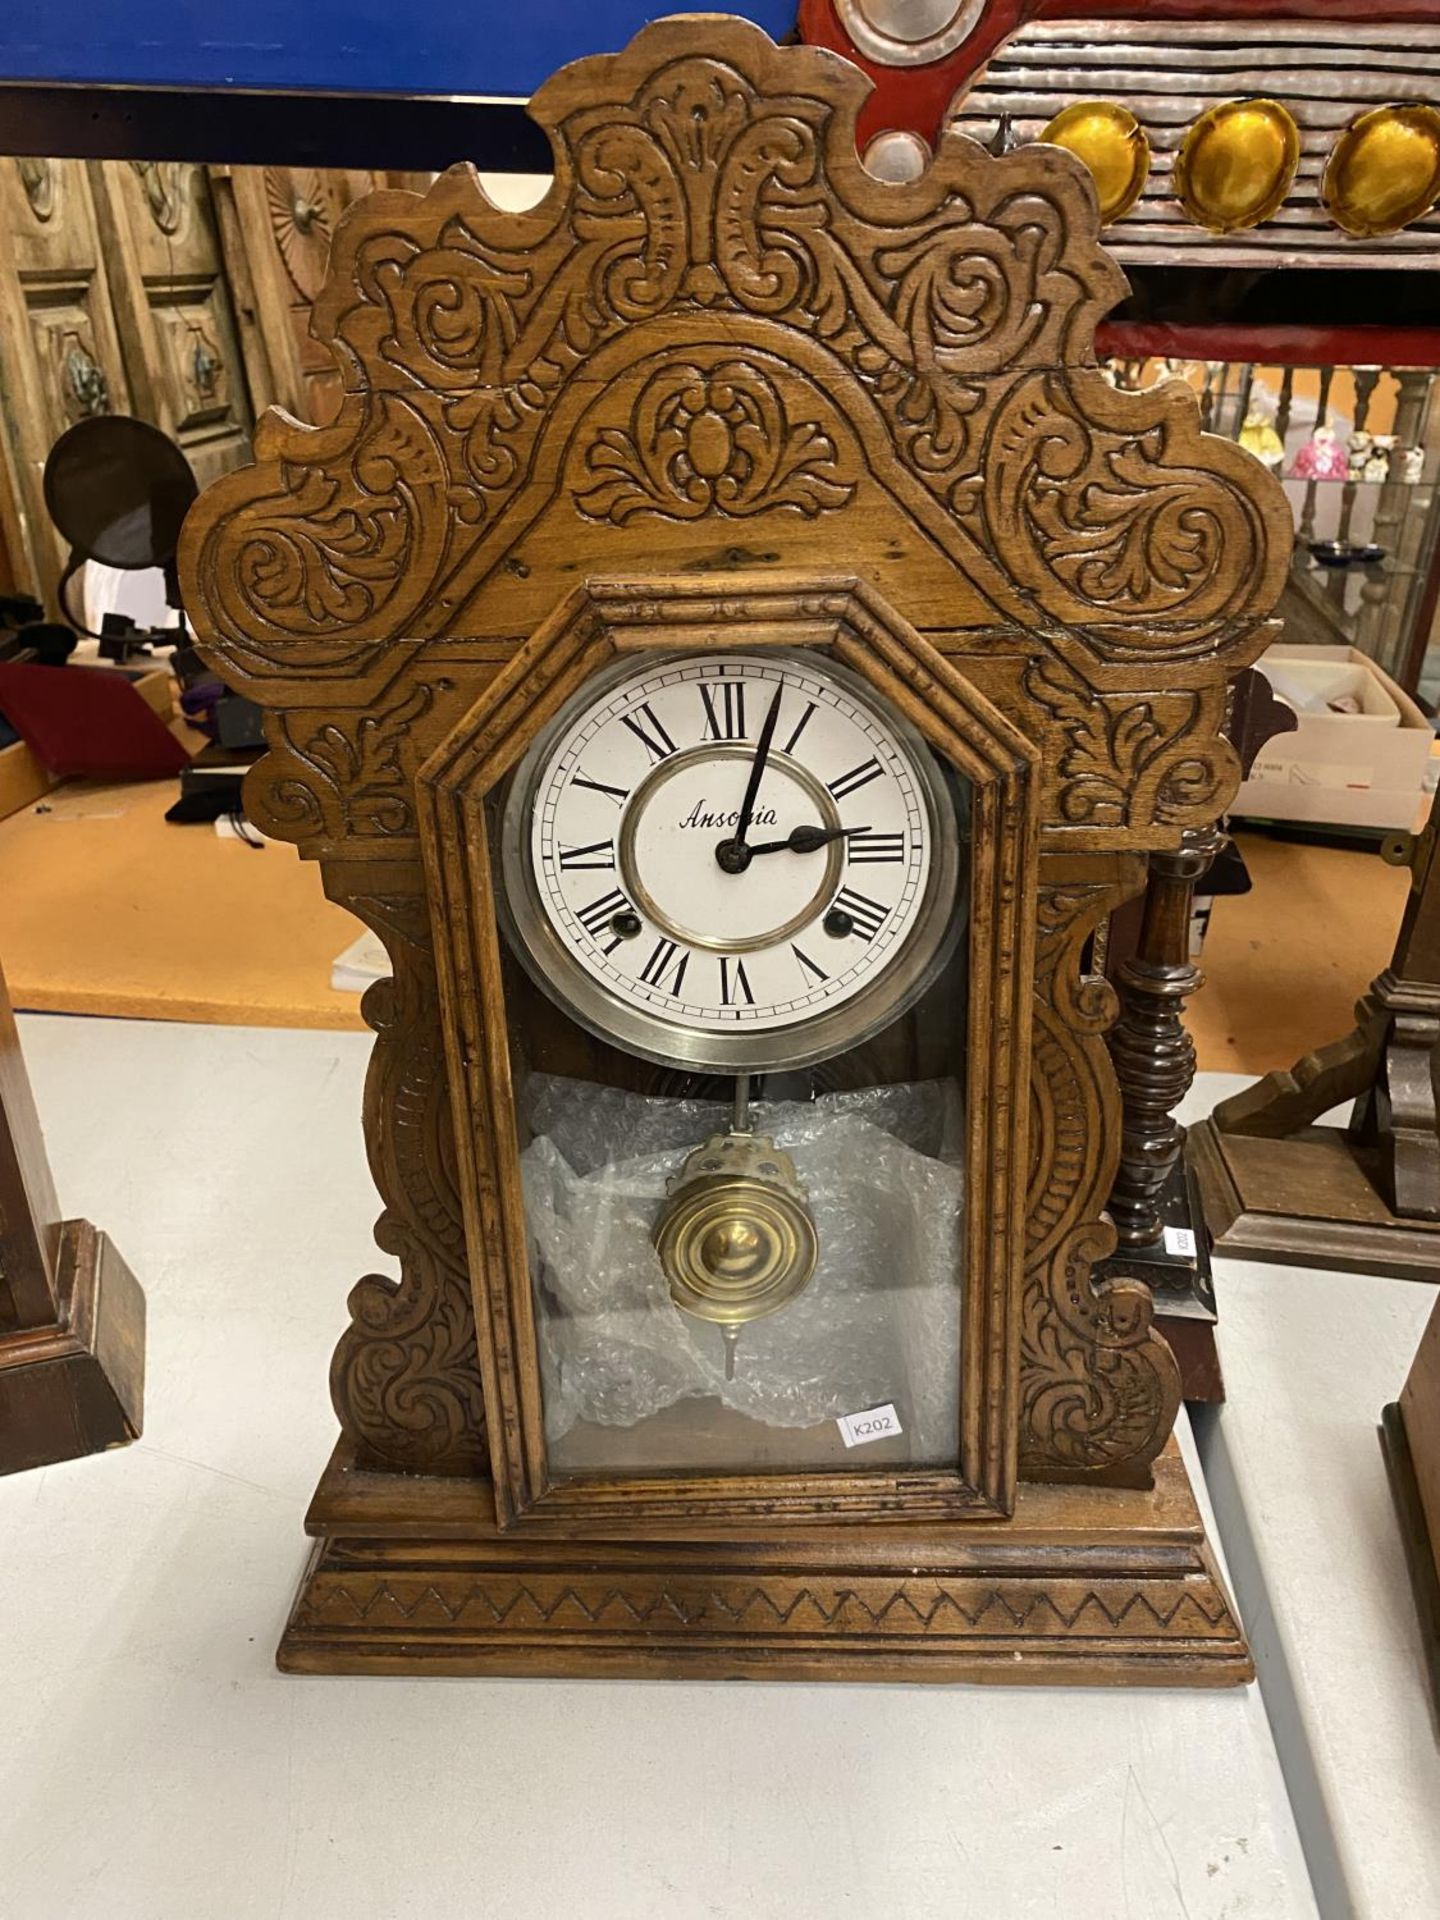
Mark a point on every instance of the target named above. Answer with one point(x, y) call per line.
point(736, 648)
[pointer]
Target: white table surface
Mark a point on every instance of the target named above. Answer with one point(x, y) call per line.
point(153, 1764)
point(1298, 1482)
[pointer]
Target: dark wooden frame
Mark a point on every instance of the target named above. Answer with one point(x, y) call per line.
point(924, 464)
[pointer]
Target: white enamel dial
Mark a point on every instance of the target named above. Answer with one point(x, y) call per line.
point(635, 906)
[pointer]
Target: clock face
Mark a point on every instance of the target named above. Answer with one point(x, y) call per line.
point(731, 860)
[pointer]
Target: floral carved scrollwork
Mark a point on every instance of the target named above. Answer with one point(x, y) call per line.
point(1098, 1386)
point(1066, 1090)
point(405, 1378)
point(164, 184)
point(202, 369)
point(1112, 508)
point(1132, 762)
point(301, 223)
point(87, 392)
point(712, 440)
point(349, 778)
point(328, 543)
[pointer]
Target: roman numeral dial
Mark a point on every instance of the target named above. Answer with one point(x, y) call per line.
point(724, 705)
point(870, 849)
point(857, 777)
point(735, 987)
point(619, 902)
point(649, 731)
point(599, 853)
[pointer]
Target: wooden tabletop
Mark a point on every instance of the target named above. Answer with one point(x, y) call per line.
point(109, 909)
point(145, 1591)
point(1317, 1563)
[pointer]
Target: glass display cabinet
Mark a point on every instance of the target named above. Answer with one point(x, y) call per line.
point(736, 647)
point(1356, 450)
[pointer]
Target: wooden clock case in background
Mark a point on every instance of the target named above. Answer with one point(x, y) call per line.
point(1410, 1436)
point(908, 458)
point(72, 1316)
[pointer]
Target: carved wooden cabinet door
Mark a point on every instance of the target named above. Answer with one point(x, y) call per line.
point(276, 224)
point(59, 352)
point(173, 309)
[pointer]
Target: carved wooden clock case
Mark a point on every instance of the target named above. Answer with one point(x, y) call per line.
point(724, 410)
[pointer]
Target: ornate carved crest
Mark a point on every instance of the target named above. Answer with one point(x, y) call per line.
point(718, 197)
point(711, 440)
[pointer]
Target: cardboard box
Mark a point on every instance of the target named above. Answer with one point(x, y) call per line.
point(1361, 769)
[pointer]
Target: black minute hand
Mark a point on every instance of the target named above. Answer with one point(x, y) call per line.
point(733, 854)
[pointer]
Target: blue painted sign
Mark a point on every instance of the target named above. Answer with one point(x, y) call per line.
point(379, 46)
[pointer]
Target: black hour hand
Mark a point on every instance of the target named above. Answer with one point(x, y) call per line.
point(806, 839)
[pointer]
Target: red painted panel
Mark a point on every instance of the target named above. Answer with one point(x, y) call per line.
point(917, 97)
point(1273, 346)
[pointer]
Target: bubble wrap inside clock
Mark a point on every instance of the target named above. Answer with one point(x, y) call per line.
point(879, 1323)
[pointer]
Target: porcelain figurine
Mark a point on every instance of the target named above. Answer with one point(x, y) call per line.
point(1259, 435)
point(1321, 458)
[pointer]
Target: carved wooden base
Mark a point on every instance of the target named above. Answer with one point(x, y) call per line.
point(1310, 1200)
point(1093, 1585)
point(76, 1387)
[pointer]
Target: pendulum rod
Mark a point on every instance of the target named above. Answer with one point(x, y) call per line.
point(739, 1123)
point(731, 1335)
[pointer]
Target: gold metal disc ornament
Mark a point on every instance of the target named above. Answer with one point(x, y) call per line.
point(735, 1237)
point(1383, 171)
point(1236, 164)
point(1113, 145)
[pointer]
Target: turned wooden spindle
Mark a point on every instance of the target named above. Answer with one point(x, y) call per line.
point(1305, 532)
point(1153, 1053)
point(1384, 589)
point(1337, 579)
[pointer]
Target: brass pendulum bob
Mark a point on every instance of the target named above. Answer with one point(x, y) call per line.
point(735, 1236)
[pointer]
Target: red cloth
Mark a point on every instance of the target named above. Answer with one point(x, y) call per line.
point(88, 722)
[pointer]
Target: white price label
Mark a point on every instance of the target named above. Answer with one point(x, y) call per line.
point(1181, 1242)
point(876, 1423)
